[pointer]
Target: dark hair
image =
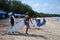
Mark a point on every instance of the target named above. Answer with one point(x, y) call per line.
point(39, 20)
point(12, 13)
point(44, 20)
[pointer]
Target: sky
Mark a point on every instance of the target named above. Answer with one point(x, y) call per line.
point(45, 6)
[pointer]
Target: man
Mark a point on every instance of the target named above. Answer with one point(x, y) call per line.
point(12, 20)
point(27, 19)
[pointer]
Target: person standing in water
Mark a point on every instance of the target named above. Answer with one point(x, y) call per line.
point(27, 19)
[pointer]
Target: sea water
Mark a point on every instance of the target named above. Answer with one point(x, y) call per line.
point(57, 19)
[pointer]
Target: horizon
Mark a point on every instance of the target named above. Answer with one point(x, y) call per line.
point(44, 6)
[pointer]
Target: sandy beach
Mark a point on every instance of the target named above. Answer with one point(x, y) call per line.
point(50, 31)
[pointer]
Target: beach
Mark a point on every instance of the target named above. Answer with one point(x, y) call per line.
point(49, 31)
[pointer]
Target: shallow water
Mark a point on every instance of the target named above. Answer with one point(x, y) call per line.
point(57, 19)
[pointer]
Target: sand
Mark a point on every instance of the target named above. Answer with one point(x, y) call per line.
point(50, 31)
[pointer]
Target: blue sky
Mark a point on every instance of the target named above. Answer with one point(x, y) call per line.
point(45, 6)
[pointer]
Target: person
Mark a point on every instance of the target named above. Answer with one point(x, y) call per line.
point(12, 19)
point(27, 19)
point(38, 22)
point(12, 22)
point(44, 20)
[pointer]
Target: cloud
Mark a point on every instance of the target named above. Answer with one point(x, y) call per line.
point(45, 4)
point(36, 5)
point(51, 8)
point(40, 7)
point(58, 7)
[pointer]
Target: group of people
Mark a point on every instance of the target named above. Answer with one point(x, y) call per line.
point(39, 23)
point(27, 21)
point(12, 21)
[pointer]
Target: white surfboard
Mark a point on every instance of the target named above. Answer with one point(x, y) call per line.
point(16, 27)
point(33, 23)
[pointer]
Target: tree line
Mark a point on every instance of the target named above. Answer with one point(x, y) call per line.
point(18, 7)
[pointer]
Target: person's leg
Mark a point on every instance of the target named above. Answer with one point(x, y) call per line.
point(27, 30)
point(12, 24)
point(27, 26)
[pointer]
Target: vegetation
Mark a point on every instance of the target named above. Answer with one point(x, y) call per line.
point(18, 7)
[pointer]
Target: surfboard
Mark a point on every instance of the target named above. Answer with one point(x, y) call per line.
point(33, 23)
point(16, 27)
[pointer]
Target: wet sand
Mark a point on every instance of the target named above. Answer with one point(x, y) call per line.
point(50, 31)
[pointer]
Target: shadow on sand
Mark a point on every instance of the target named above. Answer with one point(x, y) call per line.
point(29, 35)
point(37, 28)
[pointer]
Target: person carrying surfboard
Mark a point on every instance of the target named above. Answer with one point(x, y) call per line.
point(27, 19)
point(12, 22)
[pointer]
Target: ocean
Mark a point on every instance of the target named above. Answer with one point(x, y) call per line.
point(57, 19)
